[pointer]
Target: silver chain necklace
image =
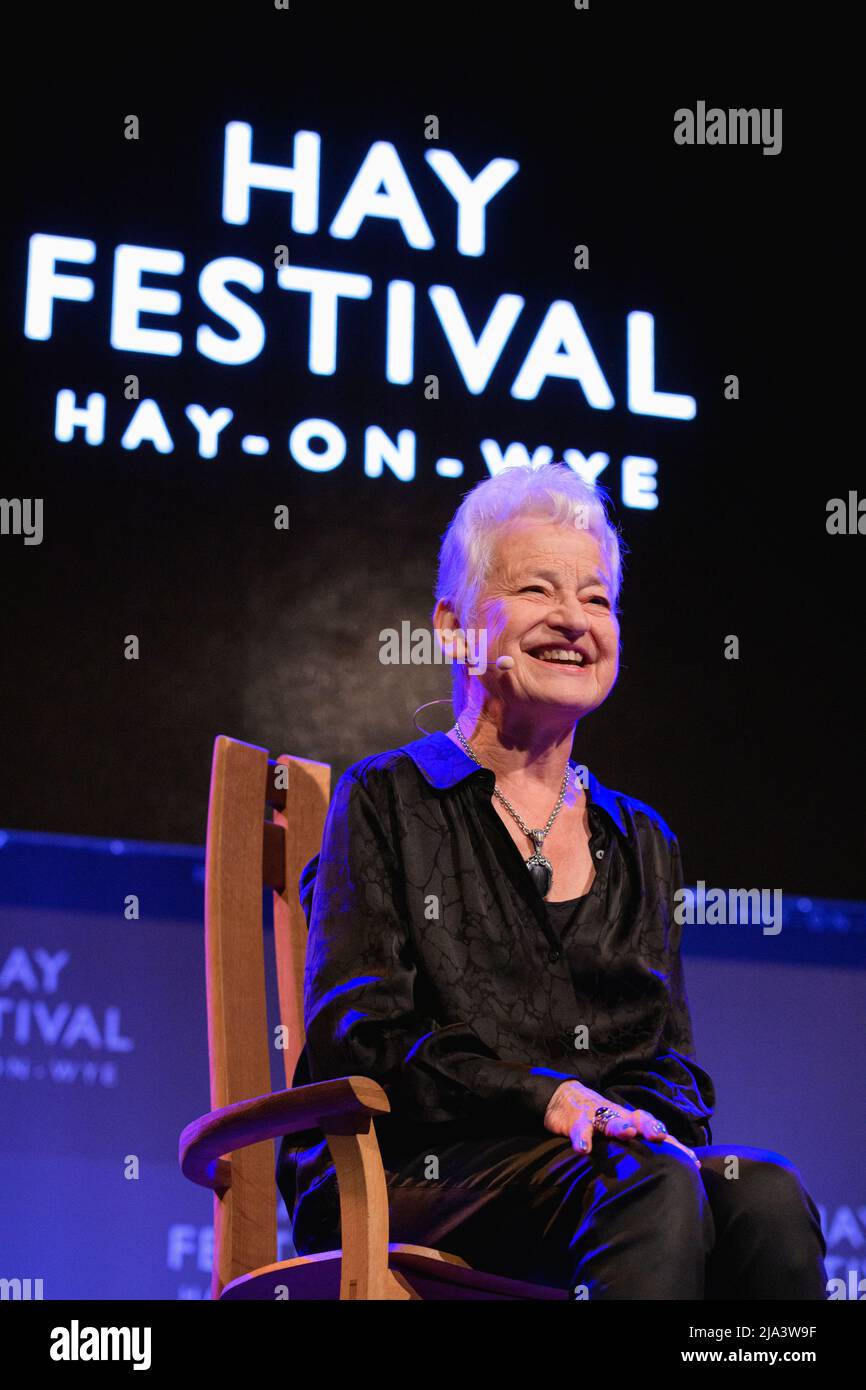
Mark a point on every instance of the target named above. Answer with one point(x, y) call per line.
point(540, 868)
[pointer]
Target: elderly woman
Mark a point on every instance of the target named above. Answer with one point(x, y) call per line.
point(492, 938)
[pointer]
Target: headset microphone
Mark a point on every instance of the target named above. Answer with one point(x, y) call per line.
point(502, 663)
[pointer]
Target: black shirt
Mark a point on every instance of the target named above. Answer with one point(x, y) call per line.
point(563, 914)
point(577, 912)
point(435, 967)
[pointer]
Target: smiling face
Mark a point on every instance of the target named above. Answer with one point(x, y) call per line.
point(548, 604)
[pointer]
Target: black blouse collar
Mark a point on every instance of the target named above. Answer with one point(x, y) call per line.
point(444, 765)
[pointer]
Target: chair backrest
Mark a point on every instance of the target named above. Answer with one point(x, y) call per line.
point(247, 854)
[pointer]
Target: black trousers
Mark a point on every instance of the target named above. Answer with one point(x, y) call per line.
point(627, 1221)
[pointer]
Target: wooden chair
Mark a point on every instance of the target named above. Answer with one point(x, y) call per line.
point(230, 1150)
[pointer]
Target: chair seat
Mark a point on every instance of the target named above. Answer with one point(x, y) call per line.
point(430, 1274)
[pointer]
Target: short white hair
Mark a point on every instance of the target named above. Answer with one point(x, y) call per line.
point(549, 492)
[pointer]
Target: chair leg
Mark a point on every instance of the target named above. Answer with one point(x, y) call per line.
point(364, 1218)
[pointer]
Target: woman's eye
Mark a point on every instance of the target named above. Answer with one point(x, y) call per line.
point(537, 589)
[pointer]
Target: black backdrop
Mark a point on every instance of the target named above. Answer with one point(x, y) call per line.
point(274, 637)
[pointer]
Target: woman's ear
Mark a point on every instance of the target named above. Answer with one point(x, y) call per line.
point(449, 635)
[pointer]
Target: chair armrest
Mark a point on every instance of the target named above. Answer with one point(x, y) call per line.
point(342, 1106)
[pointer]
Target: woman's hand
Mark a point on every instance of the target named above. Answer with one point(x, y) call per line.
point(571, 1110)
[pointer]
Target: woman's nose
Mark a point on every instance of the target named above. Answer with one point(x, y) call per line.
point(570, 617)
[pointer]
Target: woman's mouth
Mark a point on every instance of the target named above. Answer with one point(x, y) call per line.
point(563, 658)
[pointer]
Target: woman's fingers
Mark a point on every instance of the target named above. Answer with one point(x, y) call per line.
point(581, 1136)
point(686, 1150)
point(653, 1130)
point(619, 1127)
point(637, 1124)
point(571, 1110)
point(649, 1127)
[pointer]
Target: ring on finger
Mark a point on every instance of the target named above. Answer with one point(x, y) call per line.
point(602, 1117)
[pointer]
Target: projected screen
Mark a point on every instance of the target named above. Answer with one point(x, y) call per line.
point(264, 342)
point(405, 327)
point(247, 312)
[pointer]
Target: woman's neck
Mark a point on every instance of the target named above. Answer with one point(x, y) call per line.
point(530, 757)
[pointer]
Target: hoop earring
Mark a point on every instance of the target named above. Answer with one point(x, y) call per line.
point(446, 700)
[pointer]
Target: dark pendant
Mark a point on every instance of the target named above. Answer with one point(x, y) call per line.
point(541, 873)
